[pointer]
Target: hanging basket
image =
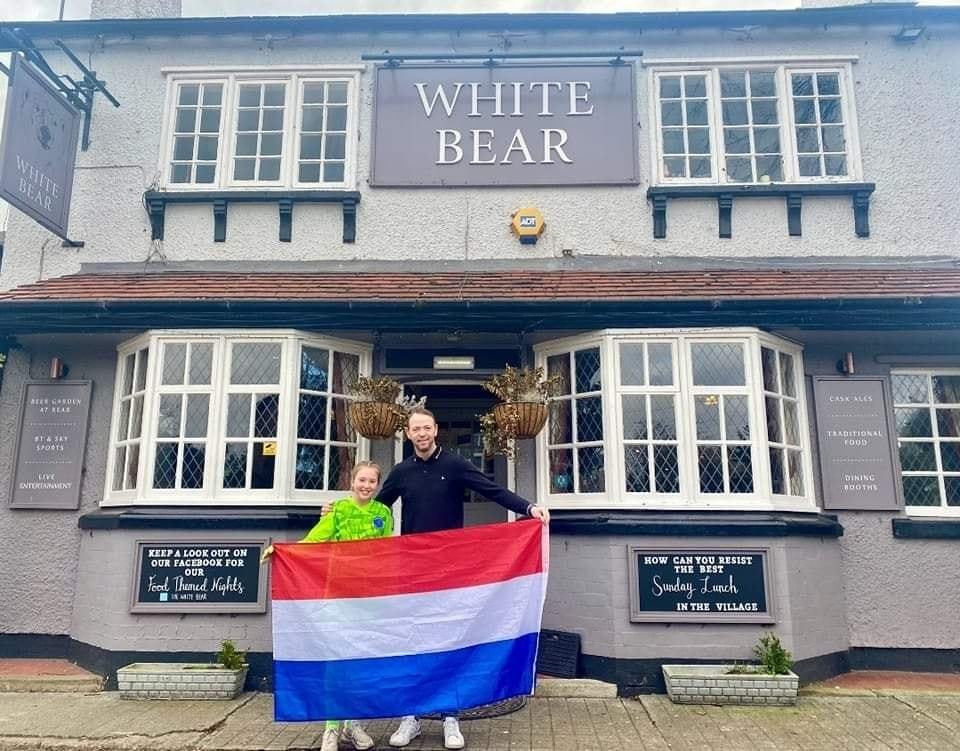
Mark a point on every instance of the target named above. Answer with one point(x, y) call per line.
point(523, 419)
point(374, 419)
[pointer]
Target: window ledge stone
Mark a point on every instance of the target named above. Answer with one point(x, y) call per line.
point(696, 524)
point(200, 518)
point(156, 202)
point(926, 529)
point(792, 193)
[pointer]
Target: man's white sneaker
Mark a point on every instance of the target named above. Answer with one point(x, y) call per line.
point(357, 736)
point(452, 737)
point(331, 739)
point(408, 730)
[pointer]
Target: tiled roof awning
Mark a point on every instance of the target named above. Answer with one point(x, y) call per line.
point(789, 296)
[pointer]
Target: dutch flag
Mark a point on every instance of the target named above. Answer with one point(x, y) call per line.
point(418, 624)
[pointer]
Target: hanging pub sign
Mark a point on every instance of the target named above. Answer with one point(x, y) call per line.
point(716, 584)
point(856, 440)
point(467, 125)
point(51, 437)
point(208, 576)
point(40, 131)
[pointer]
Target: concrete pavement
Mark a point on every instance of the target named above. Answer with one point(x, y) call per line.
point(864, 721)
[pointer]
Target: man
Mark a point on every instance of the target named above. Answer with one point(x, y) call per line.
point(432, 483)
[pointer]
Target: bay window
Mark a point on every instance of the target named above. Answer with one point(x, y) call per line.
point(223, 417)
point(675, 419)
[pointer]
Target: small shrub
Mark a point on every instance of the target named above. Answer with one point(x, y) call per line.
point(771, 655)
point(230, 657)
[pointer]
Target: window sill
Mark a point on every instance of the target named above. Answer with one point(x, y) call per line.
point(200, 518)
point(792, 193)
point(156, 202)
point(939, 528)
point(695, 524)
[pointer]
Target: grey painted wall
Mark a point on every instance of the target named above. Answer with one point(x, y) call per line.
point(910, 153)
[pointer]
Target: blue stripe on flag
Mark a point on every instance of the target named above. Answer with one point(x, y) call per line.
point(410, 684)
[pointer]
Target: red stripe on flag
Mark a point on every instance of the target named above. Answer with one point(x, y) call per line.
point(408, 564)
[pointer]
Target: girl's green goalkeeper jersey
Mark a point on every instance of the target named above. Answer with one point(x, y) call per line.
point(350, 521)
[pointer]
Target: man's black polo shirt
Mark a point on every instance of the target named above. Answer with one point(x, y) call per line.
point(433, 491)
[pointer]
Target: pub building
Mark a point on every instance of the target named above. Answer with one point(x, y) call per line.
point(731, 235)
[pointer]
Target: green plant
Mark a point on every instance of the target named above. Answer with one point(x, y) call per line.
point(230, 657)
point(771, 655)
point(523, 385)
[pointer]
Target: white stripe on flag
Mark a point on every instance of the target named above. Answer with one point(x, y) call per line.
point(394, 625)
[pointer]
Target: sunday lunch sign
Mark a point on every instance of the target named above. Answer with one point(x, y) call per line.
point(459, 125)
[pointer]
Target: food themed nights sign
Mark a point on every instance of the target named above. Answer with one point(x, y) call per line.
point(51, 438)
point(466, 125)
point(726, 585)
point(40, 131)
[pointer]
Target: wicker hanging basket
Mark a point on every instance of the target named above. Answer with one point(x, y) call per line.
point(523, 419)
point(375, 419)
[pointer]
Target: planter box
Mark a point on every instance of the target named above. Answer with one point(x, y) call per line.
point(714, 684)
point(179, 680)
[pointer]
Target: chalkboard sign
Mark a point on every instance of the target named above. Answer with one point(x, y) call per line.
point(51, 437)
point(218, 576)
point(855, 436)
point(699, 584)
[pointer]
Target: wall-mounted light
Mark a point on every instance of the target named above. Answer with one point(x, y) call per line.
point(58, 368)
point(909, 34)
point(453, 362)
point(846, 365)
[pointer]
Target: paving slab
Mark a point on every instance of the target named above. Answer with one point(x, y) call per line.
point(46, 676)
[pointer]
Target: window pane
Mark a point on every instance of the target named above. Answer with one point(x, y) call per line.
point(774, 428)
point(590, 469)
point(741, 469)
point(695, 86)
point(948, 422)
point(183, 148)
point(910, 389)
point(833, 139)
point(769, 168)
point(671, 113)
point(791, 423)
point(273, 94)
point(210, 120)
point(673, 142)
point(180, 173)
point(165, 467)
point(697, 112)
point(767, 140)
point(206, 173)
point(174, 360)
point(778, 484)
point(248, 120)
point(235, 466)
point(636, 466)
point(734, 113)
point(946, 389)
point(835, 165)
point(272, 121)
point(666, 469)
point(243, 169)
point(333, 173)
point(950, 456)
point(168, 421)
point(670, 87)
point(733, 84)
point(133, 459)
point(198, 411)
point(917, 457)
point(710, 465)
point(674, 167)
point(312, 93)
point(736, 140)
point(312, 120)
point(952, 486)
point(795, 472)
point(831, 111)
point(700, 167)
point(265, 415)
point(312, 417)
point(206, 149)
point(768, 364)
point(913, 423)
point(560, 430)
point(309, 173)
point(262, 468)
point(123, 423)
point(201, 363)
point(707, 412)
point(255, 362)
point(716, 364)
point(310, 147)
point(739, 170)
point(337, 92)
point(341, 428)
point(762, 83)
point(764, 111)
point(632, 368)
point(188, 94)
point(186, 121)
point(807, 140)
point(335, 147)
point(561, 470)
point(212, 94)
point(634, 417)
point(736, 415)
point(136, 418)
point(802, 84)
point(119, 462)
point(588, 370)
point(246, 145)
point(787, 384)
point(238, 415)
point(194, 459)
point(698, 140)
point(589, 419)
point(663, 418)
point(313, 368)
point(660, 357)
point(804, 111)
point(342, 459)
point(143, 359)
point(559, 365)
point(309, 468)
point(809, 166)
point(336, 118)
point(921, 491)
point(828, 83)
point(269, 169)
point(346, 368)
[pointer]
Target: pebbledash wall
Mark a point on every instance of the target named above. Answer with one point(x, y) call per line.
point(846, 590)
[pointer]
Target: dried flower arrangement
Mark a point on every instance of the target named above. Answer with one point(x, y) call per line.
point(522, 413)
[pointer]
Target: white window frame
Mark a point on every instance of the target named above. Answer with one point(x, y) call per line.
point(942, 510)
point(689, 497)
point(782, 68)
point(293, 77)
point(212, 492)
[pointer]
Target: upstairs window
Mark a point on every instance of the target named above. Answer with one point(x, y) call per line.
point(754, 124)
point(266, 129)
